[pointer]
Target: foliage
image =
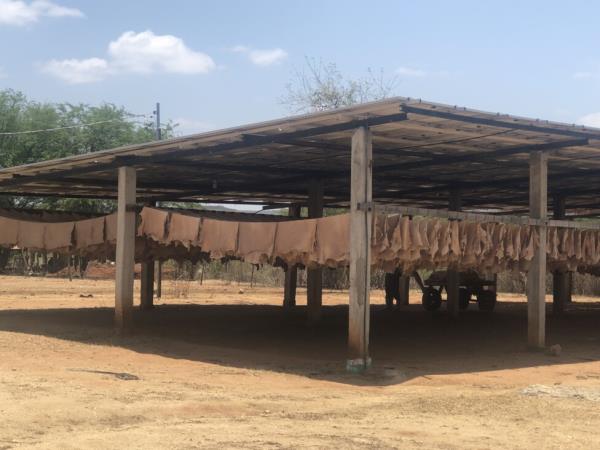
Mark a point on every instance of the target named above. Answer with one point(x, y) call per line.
point(321, 86)
point(110, 126)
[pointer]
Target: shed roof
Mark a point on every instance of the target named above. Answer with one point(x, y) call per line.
point(421, 152)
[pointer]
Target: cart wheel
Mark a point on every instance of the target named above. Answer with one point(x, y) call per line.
point(464, 297)
point(486, 300)
point(432, 299)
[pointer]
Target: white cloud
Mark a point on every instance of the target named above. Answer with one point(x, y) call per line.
point(590, 120)
point(20, 13)
point(240, 49)
point(132, 52)
point(190, 126)
point(592, 72)
point(262, 57)
point(267, 57)
point(583, 75)
point(77, 71)
point(410, 72)
point(3, 73)
point(147, 52)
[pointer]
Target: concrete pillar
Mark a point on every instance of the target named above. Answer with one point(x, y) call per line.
point(314, 277)
point(360, 250)
point(125, 251)
point(536, 278)
point(291, 274)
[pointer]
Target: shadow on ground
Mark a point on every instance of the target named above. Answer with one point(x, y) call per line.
point(405, 343)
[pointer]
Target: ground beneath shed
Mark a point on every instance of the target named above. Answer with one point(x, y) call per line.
point(215, 367)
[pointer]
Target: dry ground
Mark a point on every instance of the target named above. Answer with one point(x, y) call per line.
point(223, 369)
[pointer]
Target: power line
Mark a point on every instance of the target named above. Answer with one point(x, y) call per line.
point(81, 125)
point(68, 127)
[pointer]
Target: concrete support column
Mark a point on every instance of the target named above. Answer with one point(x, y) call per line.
point(561, 286)
point(360, 250)
point(291, 274)
point(125, 251)
point(314, 277)
point(536, 278)
point(452, 274)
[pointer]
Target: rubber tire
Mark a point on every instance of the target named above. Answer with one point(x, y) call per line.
point(486, 300)
point(464, 297)
point(432, 299)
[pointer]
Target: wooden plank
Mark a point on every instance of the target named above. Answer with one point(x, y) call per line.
point(485, 218)
point(291, 274)
point(536, 278)
point(147, 274)
point(560, 278)
point(261, 139)
point(381, 108)
point(360, 250)
point(314, 277)
point(404, 290)
point(237, 161)
point(445, 214)
point(514, 124)
point(125, 250)
point(483, 156)
point(158, 267)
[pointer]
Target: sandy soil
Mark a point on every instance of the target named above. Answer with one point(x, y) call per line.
point(212, 367)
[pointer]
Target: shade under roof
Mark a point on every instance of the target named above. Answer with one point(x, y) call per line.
point(421, 152)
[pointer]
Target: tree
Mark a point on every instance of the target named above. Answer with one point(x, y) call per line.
point(321, 86)
point(72, 130)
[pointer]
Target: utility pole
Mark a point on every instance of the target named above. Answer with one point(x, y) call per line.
point(157, 115)
point(158, 263)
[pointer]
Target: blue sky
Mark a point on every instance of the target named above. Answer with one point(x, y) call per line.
point(216, 64)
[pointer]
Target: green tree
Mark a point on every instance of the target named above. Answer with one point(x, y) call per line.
point(72, 130)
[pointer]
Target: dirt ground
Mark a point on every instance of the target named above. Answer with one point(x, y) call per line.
point(214, 367)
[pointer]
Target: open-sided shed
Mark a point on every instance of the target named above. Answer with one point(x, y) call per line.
point(402, 155)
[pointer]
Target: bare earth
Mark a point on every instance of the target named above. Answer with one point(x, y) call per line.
point(217, 368)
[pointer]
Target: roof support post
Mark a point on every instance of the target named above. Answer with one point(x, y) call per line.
point(404, 289)
point(314, 277)
point(147, 285)
point(452, 274)
point(561, 285)
point(125, 251)
point(291, 274)
point(536, 278)
point(158, 276)
point(361, 216)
